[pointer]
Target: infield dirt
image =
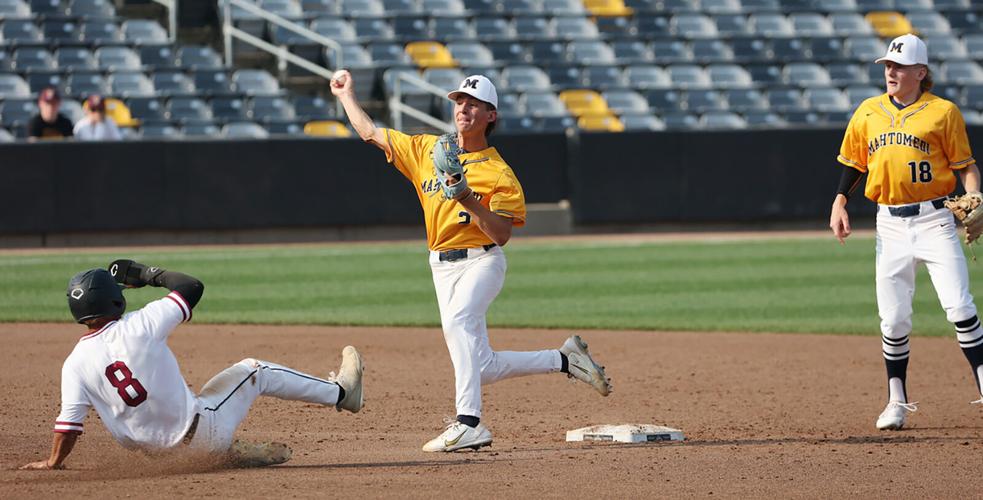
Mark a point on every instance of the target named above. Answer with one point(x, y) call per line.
point(765, 415)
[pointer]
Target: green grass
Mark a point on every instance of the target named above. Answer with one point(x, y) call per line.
point(811, 285)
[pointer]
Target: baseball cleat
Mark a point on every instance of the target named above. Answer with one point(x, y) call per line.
point(246, 454)
point(894, 415)
point(581, 366)
point(458, 436)
point(350, 378)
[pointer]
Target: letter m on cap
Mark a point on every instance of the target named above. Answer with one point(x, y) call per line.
point(469, 83)
point(896, 47)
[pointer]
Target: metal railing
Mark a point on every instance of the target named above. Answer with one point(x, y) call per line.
point(396, 105)
point(171, 6)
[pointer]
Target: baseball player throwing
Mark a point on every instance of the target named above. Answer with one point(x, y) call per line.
point(123, 367)
point(471, 200)
point(911, 144)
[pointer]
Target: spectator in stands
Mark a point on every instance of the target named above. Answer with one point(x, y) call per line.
point(96, 126)
point(49, 123)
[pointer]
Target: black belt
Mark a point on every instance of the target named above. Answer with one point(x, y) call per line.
point(460, 254)
point(913, 210)
point(188, 436)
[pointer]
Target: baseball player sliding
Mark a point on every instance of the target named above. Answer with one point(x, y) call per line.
point(123, 367)
point(911, 144)
point(471, 200)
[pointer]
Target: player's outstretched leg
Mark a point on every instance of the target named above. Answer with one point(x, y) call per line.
point(350, 379)
point(459, 436)
point(581, 366)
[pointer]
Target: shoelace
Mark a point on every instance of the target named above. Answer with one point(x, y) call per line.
point(449, 422)
point(909, 406)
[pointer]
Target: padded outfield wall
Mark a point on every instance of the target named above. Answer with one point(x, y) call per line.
point(628, 178)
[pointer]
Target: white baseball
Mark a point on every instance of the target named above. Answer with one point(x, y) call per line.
point(339, 77)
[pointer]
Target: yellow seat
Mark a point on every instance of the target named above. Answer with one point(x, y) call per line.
point(600, 123)
point(889, 24)
point(327, 128)
point(582, 102)
point(430, 55)
point(118, 111)
point(608, 8)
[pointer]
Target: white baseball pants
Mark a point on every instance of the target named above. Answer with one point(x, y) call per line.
point(465, 289)
point(903, 243)
point(225, 400)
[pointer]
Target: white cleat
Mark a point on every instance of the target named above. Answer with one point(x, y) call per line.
point(458, 436)
point(581, 365)
point(895, 415)
point(350, 378)
point(247, 454)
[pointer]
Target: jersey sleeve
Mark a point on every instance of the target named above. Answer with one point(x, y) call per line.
point(956, 142)
point(160, 317)
point(853, 150)
point(508, 200)
point(74, 402)
point(408, 153)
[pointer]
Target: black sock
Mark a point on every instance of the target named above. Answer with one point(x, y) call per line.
point(341, 393)
point(968, 332)
point(897, 369)
point(468, 420)
point(564, 363)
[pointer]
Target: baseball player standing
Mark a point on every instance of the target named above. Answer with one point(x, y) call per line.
point(123, 367)
point(911, 144)
point(471, 200)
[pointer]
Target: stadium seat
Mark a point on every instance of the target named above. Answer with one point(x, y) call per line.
point(721, 6)
point(889, 24)
point(972, 117)
point(964, 72)
point(964, 21)
point(413, 28)
point(228, 108)
point(367, 29)
point(534, 28)
point(827, 99)
point(771, 24)
point(565, 76)
point(845, 73)
point(645, 76)
point(518, 124)
point(764, 119)
point(615, 27)
point(974, 96)
point(811, 24)
point(729, 76)
point(172, 83)
point(751, 50)
point(430, 55)
point(196, 57)
point(681, 6)
point(806, 74)
point(945, 47)
point(337, 29)
point(118, 59)
point(131, 84)
point(916, 5)
point(864, 49)
point(143, 32)
point(664, 100)
point(581, 102)
point(38, 81)
point(81, 84)
point(859, 93)
point(547, 52)
point(158, 56)
point(160, 131)
point(453, 28)
point(491, 28)
point(255, 82)
point(672, 51)
point(600, 123)
point(974, 43)
point(591, 52)
point(653, 26)
point(790, 50)
point(559, 123)
point(603, 77)
point(72, 110)
point(827, 49)
point(689, 76)
point(43, 7)
point(471, 53)
point(732, 25)
point(32, 59)
point(642, 123)
point(443, 7)
point(632, 52)
point(203, 129)
point(574, 28)
point(20, 32)
point(929, 23)
point(60, 30)
point(564, 7)
point(701, 101)
point(146, 109)
point(91, 8)
point(625, 101)
point(850, 24)
point(318, 8)
point(270, 108)
point(693, 26)
point(101, 32)
point(723, 120)
point(543, 103)
point(75, 58)
point(310, 108)
point(481, 7)
point(15, 113)
point(525, 78)
point(387, 54)
point(327, 128)
point(287, 9)
point(765, 73)
point(363, 8)
point(244, 130)
point(804, 118)
point(6, 136)
point(680, 120)
point(212, 82)
point(950, 91)
point(711, 50)
point(744, 100)
point(872, 5)
point(119, 112)
point(786, 99)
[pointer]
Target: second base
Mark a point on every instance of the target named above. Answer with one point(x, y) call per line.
point(626, 433)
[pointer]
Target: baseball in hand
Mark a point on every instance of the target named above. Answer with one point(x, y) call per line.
point(339, 78)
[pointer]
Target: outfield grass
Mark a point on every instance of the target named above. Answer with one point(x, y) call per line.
point(802, 285)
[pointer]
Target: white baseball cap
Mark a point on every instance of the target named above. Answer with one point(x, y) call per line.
point(906, 50)
point(479, 87)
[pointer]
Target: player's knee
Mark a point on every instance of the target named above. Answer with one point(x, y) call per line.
point(962, 316)
point(896, 327)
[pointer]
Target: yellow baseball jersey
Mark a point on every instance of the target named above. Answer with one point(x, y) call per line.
point(449, 225)
point(909, 154)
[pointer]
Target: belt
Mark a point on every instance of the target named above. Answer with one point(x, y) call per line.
point(914, 209)
point(460, 254)
point(188, 436)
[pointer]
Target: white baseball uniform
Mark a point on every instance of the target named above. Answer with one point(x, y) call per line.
point(129, 374)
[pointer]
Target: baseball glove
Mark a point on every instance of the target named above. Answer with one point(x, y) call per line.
point(967, 209)
point(448, 168)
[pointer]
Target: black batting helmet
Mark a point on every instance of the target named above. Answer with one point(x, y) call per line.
point(93, 294)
